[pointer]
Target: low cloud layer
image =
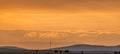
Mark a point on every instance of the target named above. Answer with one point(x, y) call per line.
point(22, 35)
point(45, 34)
point(59, 38)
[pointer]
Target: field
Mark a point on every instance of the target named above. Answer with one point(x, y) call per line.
point(49, 53)
point(29, 53)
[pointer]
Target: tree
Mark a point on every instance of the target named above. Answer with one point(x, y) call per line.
point(82, 52)
point(56, 51)
point(66, 51)
point(115, 52)
point(36, 51)
point(60, 51)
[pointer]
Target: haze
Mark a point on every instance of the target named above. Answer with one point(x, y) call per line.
point(23, 22)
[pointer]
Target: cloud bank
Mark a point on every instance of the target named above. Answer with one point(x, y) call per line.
point(61, 5)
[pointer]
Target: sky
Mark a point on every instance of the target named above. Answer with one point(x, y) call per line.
point(65, 22)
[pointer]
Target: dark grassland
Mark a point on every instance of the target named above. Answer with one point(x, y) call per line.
point(29, 53)
point(49, 53)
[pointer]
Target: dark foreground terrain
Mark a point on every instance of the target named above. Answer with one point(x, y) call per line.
point(49, 53)
point(74, 49)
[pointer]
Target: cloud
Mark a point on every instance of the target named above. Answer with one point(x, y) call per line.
point(54, 34)
point(31, 35)
point(97, 33)
point(50, 34)
point(61, 5)
point(83, 35)
point(102, 39)
point(12, 35)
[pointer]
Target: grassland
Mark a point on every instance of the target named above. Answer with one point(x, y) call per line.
point(28, 53)
point(49, 53)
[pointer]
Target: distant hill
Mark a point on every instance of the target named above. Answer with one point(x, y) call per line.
point(85, 47)
point(77, 47)
point(11, 48)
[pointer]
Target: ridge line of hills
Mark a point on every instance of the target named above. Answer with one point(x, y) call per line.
point(77, 47)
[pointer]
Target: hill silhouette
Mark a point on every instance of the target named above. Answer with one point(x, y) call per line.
point(86, 47)
point(77, 47)
point(11, 48)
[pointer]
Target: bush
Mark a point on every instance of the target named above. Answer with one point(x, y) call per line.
point(60, 51)
point(115, 52)
point(66, 51)
point(56, 51)
point(82, 51)
point(36, 50)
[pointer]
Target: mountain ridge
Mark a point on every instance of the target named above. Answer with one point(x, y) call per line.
point(76, 47)
point(11, 48)
point(87, 47)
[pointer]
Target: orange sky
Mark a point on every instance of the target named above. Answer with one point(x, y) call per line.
point(69, 16)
